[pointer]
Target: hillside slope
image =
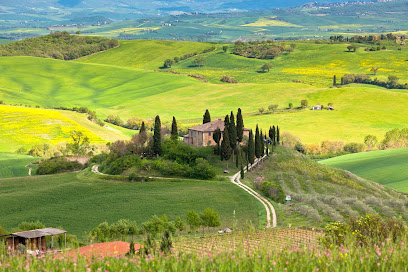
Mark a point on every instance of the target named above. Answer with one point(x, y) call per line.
point(323, 194)
point(14, 165)
point(387, 167)
point(80, 201)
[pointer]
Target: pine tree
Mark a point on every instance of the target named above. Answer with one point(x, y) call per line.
point(157, 136)
point(142, 128)
point(233, 134)
point(277, 135)
point(251, 148)
point(261, 140)
point(206, 117)
point(240, 126)
point(225, 145)
point(334, 81)
point(174, 133)
point(258, 151)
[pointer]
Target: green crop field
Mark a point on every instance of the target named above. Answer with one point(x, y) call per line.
point(80, 201)
point(387, 167)
point(14, 165)
point(125, 82)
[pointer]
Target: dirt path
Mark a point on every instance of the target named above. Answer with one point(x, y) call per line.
point(270, 210)
point(95, 170)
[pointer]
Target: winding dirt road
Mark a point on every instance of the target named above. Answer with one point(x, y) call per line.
point(270, 210)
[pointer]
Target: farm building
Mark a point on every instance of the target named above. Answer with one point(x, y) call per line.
point(33, 240)
point(317, 107)
point(202, 135)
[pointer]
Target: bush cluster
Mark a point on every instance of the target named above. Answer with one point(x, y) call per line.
point(228, 79)
point(57, 165)
point(392, 82)
point(60, 45)
point(260, 49)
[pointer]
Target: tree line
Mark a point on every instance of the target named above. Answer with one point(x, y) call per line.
point(59, 45)
point(261, 49)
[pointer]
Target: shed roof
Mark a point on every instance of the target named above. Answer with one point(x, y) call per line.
point(38, 233)
point(211, 126)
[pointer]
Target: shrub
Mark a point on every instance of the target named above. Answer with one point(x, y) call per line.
point(118, 166)
point(57, 165)
point(274, 191)
point(228, 79)
point(203, 170)
point(354, 147)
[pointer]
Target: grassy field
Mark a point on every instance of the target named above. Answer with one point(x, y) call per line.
point(387, 167)
point(324, 194)
point(13, 165)
point(114, 83)
point(80, 201)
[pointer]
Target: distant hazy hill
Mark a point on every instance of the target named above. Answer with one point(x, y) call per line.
point(156, 7)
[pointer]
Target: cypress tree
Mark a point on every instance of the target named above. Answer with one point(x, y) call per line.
point(267, 146)
point(242, 172)
point(261, 139)
point(157, 136)
point(237, 159)
point(240, 126)
point(257, 143)
point(225, 145)
point(251, 148)
point(142, 128)
point(217, 138)
point(273, 135)
point(334, 81)
point(174, 133)
point(277, 135)
point(233, 135)
point(342, 80)
point(206, 117)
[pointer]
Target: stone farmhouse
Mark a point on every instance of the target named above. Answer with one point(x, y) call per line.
point(202, 135)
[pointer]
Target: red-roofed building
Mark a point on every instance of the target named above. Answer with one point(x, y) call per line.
point(202, 135)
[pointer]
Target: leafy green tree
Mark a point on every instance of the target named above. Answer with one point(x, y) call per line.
point(174, 132)
point(374, 70)
point(199, 61)
point(261, 110)
point(266, 67)
point(206, 117)
point(176, 60)
point(217, 138)
point(78, 32)
point(290, 105)
point(258, 146)
point(251, 148)
point(168, 63)
point(179, 224)
point(393, 80)
point(225, 48)
point(370, 141)
point(304, 103)
point(240, 126)
point(225, 144)
point(80, 144)
point(273, 108)
point(157, 136)
point(210, 218)
point(193, 220)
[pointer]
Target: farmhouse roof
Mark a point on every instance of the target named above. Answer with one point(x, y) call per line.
point(38, 233)
point(211, 126)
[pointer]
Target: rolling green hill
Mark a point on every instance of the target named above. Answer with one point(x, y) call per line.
point(321, 194)
point(114, 83)
point(387, 167)
point(80, 201)
point(14, 165)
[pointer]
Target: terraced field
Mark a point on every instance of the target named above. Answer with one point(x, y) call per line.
point(387, 167)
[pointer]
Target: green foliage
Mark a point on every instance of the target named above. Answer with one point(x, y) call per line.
point(226, 144)
point(274, 191)
point(32, 225)
point(157, 136)
point(57, 165)
point(232, 132)
point(259, 50)
point(203, 170)
point(166, 244)
point(206, 117)
point(354, 147)
point(14, 165)
point(193, 220)
point(122, 229)
point(174, 133)
point(251, 148)
point(240, 126)
point(368, 230)
point(210, 218)
point(266, 67)
point(80, 144)
point(60, 45)
point(199, 61)
point(228, 79)
point(258, 143)
point(168, 63)
point(217, 137)
point(304, 103)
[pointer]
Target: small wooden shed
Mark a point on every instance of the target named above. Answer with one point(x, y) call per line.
point(34, 239)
